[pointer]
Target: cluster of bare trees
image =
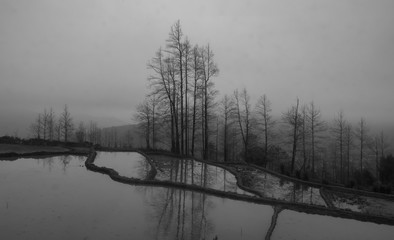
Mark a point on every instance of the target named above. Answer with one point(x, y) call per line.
point(353, 148)
point(182, 95)
point(88, 133)
point(299, 140)
point(181, 114)
point(49, 127)
point(106, 137)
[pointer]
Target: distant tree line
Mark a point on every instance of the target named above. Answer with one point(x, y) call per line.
point(181, 113)
point(49, 127)
point(52, 128)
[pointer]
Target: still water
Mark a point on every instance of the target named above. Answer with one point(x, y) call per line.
point(274, 187)
point(57, 198)
point(190, 171)
point(127, 164)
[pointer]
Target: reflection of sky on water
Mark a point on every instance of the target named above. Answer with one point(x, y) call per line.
point(296, 225)
point(127, 164)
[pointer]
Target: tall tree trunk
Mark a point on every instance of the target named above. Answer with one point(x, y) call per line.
point(186, 115)
point(295, 138)
point(206, 150)
point(194, 121)
point(225, 139)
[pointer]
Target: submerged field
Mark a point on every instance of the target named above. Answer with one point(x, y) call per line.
point(58, 198)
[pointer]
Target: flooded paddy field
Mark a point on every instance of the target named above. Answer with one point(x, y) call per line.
point(363, 204)
point(58, 198)
point(190, 171)
point(127, 164)
point(274, 187)
point(292, 225)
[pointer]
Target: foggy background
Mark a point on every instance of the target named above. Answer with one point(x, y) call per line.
point(92, 55)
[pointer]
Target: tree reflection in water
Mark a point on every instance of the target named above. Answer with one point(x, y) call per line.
point(53, 162)
point(274, 187)
point(127, 164)
point(190, 171)
point(183, 214)
point(180, 214)
point(65, 159)
point(47, 162)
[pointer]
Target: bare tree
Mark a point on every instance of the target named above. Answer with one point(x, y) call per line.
point(94, 133)
point(293, 118)
point(44, 124)
point(58, 129)
point(81, 133)
point(375, 148)
point(172, 70)
point(129, 139)
point(175, 46)
point(243, 111)
point(227, 105)
point(348, 138)
point(304, 132)
point(383, 144)
point(144, 117)
point(209, 70)
point(197, 76)
point(263, 108)
point(317, 127)
point(51, 124)
point(361, 133)
point(338, 129)
point(66, 122)
point(188, 58)
point(164, 84)
point(36, 127)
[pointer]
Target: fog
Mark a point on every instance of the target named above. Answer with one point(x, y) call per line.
point(92, 55)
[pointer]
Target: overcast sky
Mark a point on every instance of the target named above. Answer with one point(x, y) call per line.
point(92, 54)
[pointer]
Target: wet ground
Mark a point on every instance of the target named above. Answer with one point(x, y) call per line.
point(363, 204)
